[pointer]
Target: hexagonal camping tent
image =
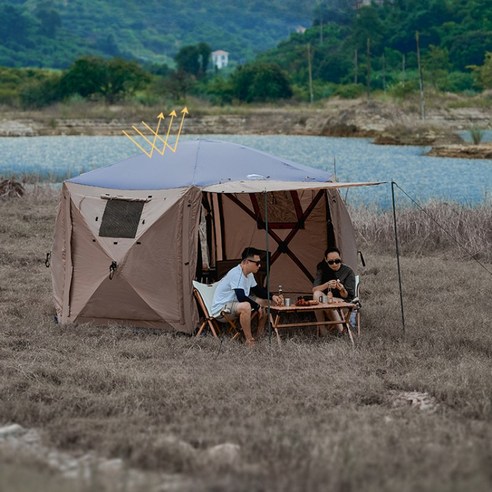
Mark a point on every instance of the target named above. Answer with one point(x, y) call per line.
point(126, 243)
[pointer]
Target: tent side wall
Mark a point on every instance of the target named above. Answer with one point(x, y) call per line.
point(61, 258)
point(151, 284)
point(343, 229)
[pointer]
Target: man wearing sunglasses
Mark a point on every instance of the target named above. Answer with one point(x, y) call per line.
point(238, 294)
point(332, 274)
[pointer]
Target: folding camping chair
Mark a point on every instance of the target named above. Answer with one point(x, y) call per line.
point(204, 294)
point(355, 315)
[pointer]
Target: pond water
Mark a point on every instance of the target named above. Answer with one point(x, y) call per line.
point(465, 181)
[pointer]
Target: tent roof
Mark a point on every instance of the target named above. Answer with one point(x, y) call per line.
point(200, 163)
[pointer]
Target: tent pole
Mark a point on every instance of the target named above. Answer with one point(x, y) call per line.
point(397, 255)
point(267, 266)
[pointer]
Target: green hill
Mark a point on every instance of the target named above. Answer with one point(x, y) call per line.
point(53, 33)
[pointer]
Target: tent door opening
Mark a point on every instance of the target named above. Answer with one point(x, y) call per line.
point(299, 229)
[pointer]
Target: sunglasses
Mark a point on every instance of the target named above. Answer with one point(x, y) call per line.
point(334, 262)
point(258, 263)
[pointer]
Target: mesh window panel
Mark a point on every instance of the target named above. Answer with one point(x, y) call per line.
point(121, 218)
point(280, 206)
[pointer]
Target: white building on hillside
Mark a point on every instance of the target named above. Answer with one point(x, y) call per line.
point(220, 59)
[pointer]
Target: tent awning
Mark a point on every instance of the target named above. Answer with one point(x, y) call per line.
point(261, 185)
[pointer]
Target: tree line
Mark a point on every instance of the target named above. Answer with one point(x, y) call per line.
point(347, 51)
point(350, 50)
point(53, 33)
point(112, 80)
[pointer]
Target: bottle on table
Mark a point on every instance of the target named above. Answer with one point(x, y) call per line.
point(281, 295)
point(330, 296)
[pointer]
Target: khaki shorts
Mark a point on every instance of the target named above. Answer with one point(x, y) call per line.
point(231, 309)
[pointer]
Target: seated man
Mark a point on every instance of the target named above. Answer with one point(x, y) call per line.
point(332, 274)
point(233, 294)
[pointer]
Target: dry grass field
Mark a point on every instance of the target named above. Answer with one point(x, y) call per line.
point(398, 412)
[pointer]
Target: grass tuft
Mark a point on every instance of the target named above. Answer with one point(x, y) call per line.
point(443, 229)
point(476, 135)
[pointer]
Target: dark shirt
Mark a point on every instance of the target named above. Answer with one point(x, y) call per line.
point(345, 274)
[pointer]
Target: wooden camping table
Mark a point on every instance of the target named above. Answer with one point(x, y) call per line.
point(279, 312)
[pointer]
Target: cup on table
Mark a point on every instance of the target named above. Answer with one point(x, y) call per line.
point(287, 301)
point(325, 299)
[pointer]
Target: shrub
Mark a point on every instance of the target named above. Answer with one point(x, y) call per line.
point(403, 88)
point(9, 97)
point(350, 91)
point(476, 135)
point(457, 82)
point(10, 188)
point(260, 82)
point(37, 94)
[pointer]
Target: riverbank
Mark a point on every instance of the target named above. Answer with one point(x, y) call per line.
point(483, 151)
point(387, 122)
point(335, 117)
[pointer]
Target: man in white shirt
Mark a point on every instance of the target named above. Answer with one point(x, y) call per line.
point(239, 294)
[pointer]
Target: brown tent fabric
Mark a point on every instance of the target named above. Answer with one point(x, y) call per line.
point(154, 269)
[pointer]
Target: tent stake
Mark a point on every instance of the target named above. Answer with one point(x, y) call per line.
point(397, 255)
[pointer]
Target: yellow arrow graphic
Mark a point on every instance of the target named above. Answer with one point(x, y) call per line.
point(148, 154)
point(184, 112)
point(172, 114)
point(160, 118)
point(155, 133)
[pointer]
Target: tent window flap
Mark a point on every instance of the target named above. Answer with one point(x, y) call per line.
point(121, 218)
point(284, 209)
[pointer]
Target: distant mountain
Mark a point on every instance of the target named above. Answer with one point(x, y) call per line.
point(52, 33)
